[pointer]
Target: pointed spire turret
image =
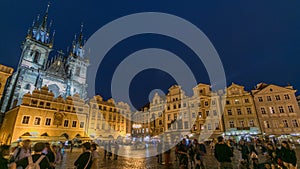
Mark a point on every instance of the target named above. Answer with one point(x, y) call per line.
point(40, 30)
point(77, 45)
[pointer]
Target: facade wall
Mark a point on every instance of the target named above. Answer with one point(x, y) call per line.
point(240, 117)
point(277, 109)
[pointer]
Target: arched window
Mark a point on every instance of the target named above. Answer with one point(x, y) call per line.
point(36, 56)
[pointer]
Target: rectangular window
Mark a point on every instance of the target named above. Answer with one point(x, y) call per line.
point(295, 123)
point(285, 123)
point(231, 124)
point(206, 103)
point(242, 124)
point(160, 122)
point(25, 120)
point(266, 124)
point(286, 97)
point(249, 111)
point(186, 125)
point(66, 123)
point(200, 114)
point(263, 110)
point(236, 101)
point(291, 110)
point(269, 98)
point(74, 123)
point(207, 113)
point(239, 111)
point(229, 112)
point(175, 116)
point(227, 102)
point(272, 110)
point(37, 121)
point(82, 124)
point(169, 117)
point(48, 122)
point(246, 100)
point(277, 97)
point(209, 126)
point(281, 110)
point(260, 99)
point(174, 106)
point(168, 107)
point(215, 112)
point(251, 123)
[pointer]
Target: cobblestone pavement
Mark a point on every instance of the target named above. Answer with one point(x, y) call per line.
point(148, 163)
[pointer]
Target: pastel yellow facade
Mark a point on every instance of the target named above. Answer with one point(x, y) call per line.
point(108, 119)
point(240, 117)
point(40, 115)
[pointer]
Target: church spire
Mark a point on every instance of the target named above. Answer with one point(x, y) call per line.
point(77, 45)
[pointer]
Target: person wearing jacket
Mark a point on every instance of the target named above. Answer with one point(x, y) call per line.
point(288, 156)
point(223, 154)
point(84, 161)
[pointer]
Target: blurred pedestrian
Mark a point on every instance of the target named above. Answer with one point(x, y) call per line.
point(288, 156)
point(50, 154)
point(84, 161)
point(36, 159)
point(116, 150)
point(223, 154)
point(95, 156)
point(4, 151)
point(22, 151)
point(159, 150)
point(109, 150)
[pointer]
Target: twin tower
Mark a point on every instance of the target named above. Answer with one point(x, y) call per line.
point(64, 74)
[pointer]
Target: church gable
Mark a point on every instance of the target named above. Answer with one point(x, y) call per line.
point(57, 67)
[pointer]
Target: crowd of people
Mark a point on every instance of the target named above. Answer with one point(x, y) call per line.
point(46, 156)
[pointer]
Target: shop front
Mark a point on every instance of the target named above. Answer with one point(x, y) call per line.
point(239, 133)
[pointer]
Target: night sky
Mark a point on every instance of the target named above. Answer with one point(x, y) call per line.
point(257, 41)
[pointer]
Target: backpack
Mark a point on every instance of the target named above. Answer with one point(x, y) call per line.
point(32, 165)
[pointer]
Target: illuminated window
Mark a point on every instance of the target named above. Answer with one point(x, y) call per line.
point(236, 101)
point(269, 98)
point(272, 110)
point(266, 124)
point(251, 123)
point(277, 97)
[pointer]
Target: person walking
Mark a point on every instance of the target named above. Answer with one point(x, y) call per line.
point(4, 151)
point(58, 154)
point(84, 161)
point(36, 159)
point(159, 152)
point(183, 154)
point(223, 154)
point(105, 150)
point(109, 150)
point(245, 151)
point(116, 150)
point(48, 152)
point(200, 151)
point(95, 156)
point(288, 156)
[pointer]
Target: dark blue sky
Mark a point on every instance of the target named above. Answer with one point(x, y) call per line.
point(258, 41)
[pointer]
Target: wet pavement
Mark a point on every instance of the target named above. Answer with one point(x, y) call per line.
point(149, 162)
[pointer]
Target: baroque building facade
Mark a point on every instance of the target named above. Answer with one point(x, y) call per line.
point(41, 115)
point(65, 75)
point(240, 117)
point(277, 109)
